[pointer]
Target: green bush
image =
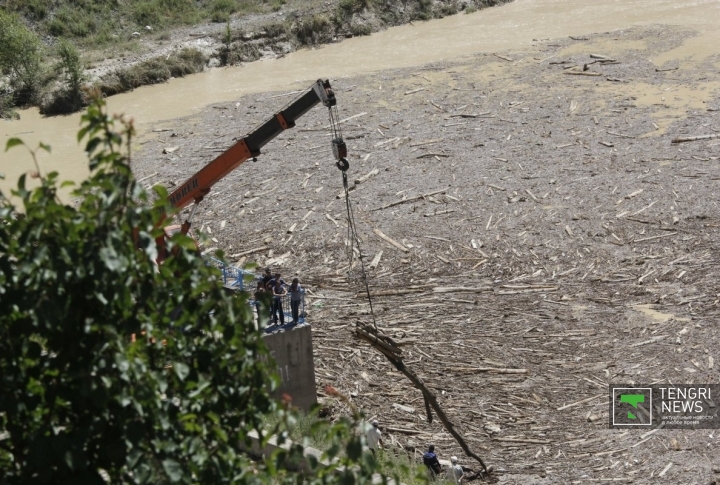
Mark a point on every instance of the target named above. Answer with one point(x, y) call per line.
point(360, 29)
point(165, 13)
point(345, 9)
point(21, 57)
point(225, 50)
point(69, 98)
point(424, 10)
point(71, 65)
point(313, 30)
point(7, 111)
point(275, 5)
point(153, 71)
point(220, 10)
point(447, 9)
point(34, 9)
point(275, 29)
point(72, 22)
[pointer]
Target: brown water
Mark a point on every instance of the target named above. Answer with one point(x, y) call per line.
point(499, 29)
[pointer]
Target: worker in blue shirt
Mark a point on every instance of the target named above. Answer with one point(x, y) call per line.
point(430, 460)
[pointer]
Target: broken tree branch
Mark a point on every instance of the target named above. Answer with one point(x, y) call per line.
point(393, 355)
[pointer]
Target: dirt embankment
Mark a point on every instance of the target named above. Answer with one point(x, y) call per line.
point(544, 187)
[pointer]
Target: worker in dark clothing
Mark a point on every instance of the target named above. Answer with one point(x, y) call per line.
point(296, 296)
point(272, 281)
point(267, 277)
point(430, 460)
point(279, 291)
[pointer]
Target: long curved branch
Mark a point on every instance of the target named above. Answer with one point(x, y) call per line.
point(394, 354)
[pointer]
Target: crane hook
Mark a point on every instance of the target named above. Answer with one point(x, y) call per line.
point(343, 164)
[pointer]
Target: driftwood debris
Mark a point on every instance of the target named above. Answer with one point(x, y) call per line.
point(376, 260)
point(411, 199)
point(582, 73)
point(346, 119)
point(684, 139)
point(577, 403)
point(147, 177)
point(249, 251)
point(389, 348)
point(454, 289)
point(358, 181)
point(428, 142)
point(362, 294)
point(425, 155)
point(390, 241)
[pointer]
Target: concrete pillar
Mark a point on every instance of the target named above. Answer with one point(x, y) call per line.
point(293, 354)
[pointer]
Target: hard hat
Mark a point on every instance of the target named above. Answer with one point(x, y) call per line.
point(453, 459)
point(375, 423)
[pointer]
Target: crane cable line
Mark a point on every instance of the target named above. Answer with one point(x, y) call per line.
point(340, 152)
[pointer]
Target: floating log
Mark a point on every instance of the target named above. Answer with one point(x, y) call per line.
point(684, 139)
point(582, 73)
point(391, 241)
point(411, 199)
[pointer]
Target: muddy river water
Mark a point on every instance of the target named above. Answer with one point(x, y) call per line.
point(499, 29)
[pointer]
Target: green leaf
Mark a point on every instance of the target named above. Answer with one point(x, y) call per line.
point(173, 469)
point(354, 448)
point(45, 147)
point(82, 132)
point(203, 385)
point(13, 142)
point(181, 370)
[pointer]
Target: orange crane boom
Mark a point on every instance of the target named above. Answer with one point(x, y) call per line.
point(198, 185)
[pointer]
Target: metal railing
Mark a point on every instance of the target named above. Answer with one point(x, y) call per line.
point(233, 277)
point(284, 304)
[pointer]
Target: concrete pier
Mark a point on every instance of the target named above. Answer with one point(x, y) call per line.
point(293, 353)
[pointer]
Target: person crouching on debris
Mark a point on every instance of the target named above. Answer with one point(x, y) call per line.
point(455, 473)
point(278, 292)
point(296, 295)
point(374, 436)
point(430, 460)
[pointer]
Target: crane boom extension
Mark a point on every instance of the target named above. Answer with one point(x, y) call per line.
point(199, 185)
